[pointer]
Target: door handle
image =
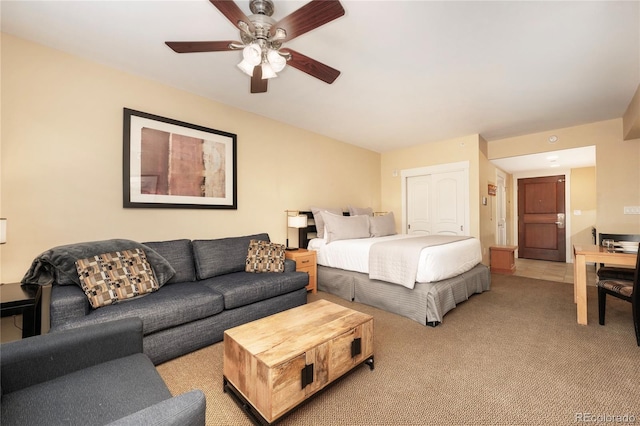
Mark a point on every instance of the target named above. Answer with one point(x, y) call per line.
point(560, 221)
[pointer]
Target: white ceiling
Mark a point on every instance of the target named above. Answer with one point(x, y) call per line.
point(412, 71)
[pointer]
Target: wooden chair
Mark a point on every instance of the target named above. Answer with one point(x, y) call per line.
point(616, 272)
point(625, 290)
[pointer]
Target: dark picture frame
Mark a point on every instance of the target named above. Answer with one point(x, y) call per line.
point(172, 164)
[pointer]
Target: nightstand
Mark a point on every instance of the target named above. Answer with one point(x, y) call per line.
point(22, 300)
point(305, 262)
point(503, 259)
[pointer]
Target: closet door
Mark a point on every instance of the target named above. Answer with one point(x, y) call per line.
point(419, 205)
point(448, 203)
point(436, 203)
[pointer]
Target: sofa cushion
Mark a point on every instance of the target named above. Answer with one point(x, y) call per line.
point(179, 255)
point(95, 395)
point(244, 288)
point(171, 306)
point(264, 256)
point(108, 278)
point(68, 303)
point(222, 256)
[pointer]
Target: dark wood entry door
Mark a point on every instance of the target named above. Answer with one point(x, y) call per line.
point(541, 218)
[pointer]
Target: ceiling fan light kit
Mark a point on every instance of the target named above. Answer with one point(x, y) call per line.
point(269, 59)
point(262, 39)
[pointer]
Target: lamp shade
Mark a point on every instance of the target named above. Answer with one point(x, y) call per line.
point(246, 67)
point(276, 60)
point(252, 54)
point(297, 221)
point(267, 71)
point(3, 230)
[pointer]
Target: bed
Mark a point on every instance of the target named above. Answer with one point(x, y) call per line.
point(449, 271)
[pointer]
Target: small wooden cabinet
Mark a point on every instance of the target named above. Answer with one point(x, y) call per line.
point(273, 364)
point(503, 259)
point(306, 262)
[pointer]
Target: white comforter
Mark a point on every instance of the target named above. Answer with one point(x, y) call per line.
point(436, 263)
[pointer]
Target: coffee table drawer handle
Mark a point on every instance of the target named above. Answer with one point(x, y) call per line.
point(356, 347)
point(306, 375)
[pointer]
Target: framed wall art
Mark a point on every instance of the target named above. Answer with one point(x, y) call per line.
point(172, 164)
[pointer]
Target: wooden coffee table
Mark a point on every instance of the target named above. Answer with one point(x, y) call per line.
point(274, 364)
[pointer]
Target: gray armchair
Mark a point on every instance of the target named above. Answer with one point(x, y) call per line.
point(93, 375)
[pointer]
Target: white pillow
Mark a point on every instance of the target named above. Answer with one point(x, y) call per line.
point(317, 218)
point(344, 227)
point(355, 211)
point(381, 226)
point(316, 243)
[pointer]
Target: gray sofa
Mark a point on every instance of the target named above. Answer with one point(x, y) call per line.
point(205, 290)
point(93, 375)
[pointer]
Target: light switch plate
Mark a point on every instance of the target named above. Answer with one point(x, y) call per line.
point(632, 210)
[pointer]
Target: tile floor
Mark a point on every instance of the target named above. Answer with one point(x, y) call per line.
point(551, 271)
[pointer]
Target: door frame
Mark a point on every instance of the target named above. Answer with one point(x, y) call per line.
point(501, 175)
point(567, 203)
point(429, 170)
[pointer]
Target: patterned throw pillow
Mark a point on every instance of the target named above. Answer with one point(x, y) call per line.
point(111, 277)
point(264, 256)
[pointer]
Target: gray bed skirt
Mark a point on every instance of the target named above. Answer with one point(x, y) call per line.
point(426, 303)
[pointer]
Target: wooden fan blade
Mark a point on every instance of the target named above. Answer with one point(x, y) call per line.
point(258, 85)
point(311, 66)
point(200, 46)
point(310, 16)
point(232, 12)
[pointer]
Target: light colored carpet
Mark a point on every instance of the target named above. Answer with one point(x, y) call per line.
point(511, 356)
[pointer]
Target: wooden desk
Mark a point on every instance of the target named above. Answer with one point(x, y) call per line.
point(597, 254)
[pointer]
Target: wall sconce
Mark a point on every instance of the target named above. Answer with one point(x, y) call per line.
point(3, 230)
point(294, 220)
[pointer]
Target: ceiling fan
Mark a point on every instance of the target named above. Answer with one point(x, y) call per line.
point(262, 39)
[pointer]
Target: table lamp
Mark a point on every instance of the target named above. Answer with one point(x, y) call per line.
point(294, 220)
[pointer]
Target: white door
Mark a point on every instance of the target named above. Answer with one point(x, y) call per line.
point(436, 203)
point(418, 205)
point(501, 200)
point(448, 203)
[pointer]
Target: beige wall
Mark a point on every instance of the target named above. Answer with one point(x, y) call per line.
point(61, 159)
point(489, 212)
point(617, 173)
point(631, 118)
point(583, 204)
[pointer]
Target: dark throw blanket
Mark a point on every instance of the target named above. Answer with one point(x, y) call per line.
point(58, 264)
